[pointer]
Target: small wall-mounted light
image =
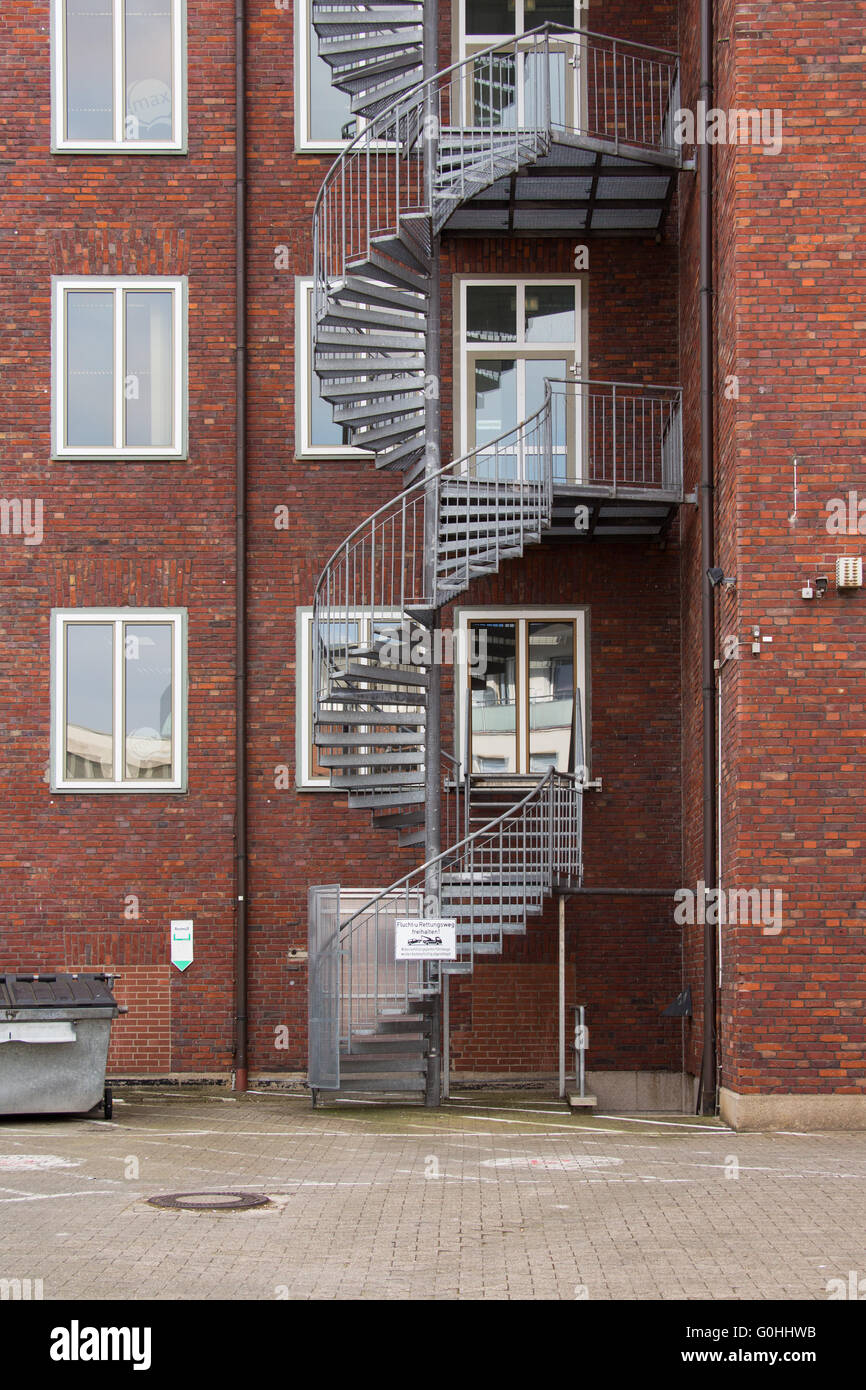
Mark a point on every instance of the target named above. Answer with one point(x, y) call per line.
point(681, 1007)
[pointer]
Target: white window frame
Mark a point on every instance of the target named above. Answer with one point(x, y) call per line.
point(523, 615)
point(61, 619)
point(576, 353)
point(59, 141)
point(119, 285)
point(304, 779)
point(305, 377)
point(467, 44)
point(304, 143)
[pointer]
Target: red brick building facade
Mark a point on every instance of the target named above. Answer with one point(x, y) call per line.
point(93, 878)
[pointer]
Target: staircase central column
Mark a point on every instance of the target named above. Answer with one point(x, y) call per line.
point(432, 775)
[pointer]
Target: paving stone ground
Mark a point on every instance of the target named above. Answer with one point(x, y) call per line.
point(488, 1198)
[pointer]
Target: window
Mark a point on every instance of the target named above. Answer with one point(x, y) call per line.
point(118, 699)
point(323, 114)
point(119, 75)
point(119, 368)
point(308, 773)
point(497, 94)
point(524, 691)
point(512, 335)
point(317, 433)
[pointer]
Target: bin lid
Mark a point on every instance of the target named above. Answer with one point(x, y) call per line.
point(56, 992)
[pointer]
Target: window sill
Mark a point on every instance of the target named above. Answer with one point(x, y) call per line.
point(116, 456)
point(339, 454)
point(91, 788)
point(127, 147)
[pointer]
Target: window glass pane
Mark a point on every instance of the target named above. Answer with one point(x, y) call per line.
point(323, 430)
point(494, 699)
point(490, 16)
point(147, 665)
point(88, 752)
point(551, 695)
point(329, 108)
point(89, 70)
point(548, 12)
point(148, 380)
point(549, 316)
point(494, 91)
point(537, 370)
point(491, 314)
point(90, 368)
point(495, 414)
point(148, 70)
point(336, 639)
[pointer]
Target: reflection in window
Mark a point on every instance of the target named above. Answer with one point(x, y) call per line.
point(116, 700)
point(329, 111)
point(148, 699)
point(551, 695)
point(535, 327)
point(89, 722)
point(494, 701)
point(523, 703)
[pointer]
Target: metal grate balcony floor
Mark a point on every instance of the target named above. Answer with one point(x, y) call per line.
point(574, 190)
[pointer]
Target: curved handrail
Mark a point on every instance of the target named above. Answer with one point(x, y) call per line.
point(631, 100)
point(388, 116)
point(421, 485)
point(477, 838)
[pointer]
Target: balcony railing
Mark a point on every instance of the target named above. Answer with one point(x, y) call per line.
point(514, 861)
point(481, 118)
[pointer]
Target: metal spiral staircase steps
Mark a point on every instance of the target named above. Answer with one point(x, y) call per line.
point(375, 52)
point(416, 162)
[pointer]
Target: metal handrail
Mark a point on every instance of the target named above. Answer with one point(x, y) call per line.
point(518, 858)
point(629, 436)
point(367, 180)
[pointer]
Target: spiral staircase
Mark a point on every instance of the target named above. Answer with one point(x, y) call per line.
point(580, 123)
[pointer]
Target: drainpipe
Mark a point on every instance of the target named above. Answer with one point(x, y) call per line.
point(707, 1090)
point(240, 1078)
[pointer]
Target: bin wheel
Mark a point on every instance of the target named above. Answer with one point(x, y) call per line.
point(107, 1103)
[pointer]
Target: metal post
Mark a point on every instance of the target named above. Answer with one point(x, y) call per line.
point(446, 1037)
point(561, 900)
point(433, 761)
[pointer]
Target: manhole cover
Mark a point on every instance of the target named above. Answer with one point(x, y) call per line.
point(210, 1201)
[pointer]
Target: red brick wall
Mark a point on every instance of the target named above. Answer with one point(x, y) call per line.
point(120, 534)
point(162, 534)
point(790, 318)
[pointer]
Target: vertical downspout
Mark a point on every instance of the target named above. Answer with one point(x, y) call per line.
point(433, 761)
point(707, 1091)
point(240, 1083)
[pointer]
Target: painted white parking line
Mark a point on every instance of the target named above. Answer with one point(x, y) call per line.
point(50, 1196)
point(668, 1124)
point(572, 1129)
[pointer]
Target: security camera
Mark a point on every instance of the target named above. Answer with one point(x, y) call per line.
point(821, 584)
point(716, 577)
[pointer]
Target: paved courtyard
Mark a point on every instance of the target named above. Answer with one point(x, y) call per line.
point(505, 1197)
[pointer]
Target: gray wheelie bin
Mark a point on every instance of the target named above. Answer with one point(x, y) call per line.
point(54, 1032)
